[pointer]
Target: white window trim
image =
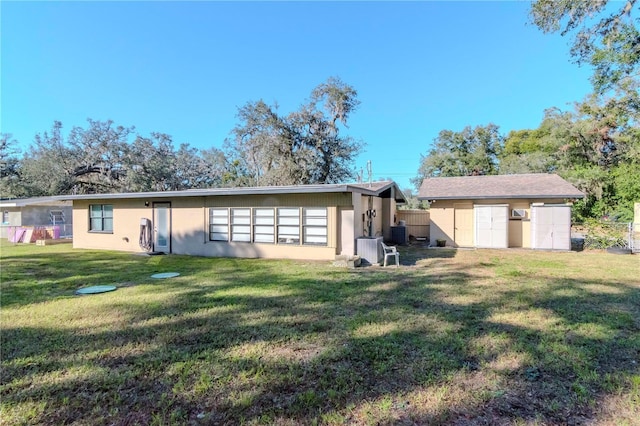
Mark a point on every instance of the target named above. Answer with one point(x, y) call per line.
point(216, 227)
point(102, 218)
point(260, 229)
point(315, 226)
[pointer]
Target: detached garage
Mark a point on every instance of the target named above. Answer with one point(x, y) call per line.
point(527, 210)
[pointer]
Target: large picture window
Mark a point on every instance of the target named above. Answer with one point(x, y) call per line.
point(101, 217)
point(219, 225)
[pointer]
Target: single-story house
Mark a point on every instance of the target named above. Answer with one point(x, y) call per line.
point(298, 222)
point(35, 212)
point(522, 210)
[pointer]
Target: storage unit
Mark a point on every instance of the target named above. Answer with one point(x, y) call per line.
point(551, 227)
point(491, 226)
point(472, 210)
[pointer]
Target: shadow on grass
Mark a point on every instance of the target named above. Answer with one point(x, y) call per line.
point(414, 255)
point(286, 342)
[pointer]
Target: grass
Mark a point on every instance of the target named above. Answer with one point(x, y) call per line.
point(457, 337)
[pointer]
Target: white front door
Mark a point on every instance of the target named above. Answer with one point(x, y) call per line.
point(162, 227)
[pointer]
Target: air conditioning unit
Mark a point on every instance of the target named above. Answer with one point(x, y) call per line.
point(518, 214)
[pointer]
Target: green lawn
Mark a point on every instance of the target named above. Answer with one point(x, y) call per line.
point(459, 337)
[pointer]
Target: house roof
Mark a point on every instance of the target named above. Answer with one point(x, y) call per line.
point(34, 201)
point(534, 185)
point(385, 189)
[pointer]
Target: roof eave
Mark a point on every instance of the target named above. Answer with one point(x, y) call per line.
point(495, 197)
point(335, 188)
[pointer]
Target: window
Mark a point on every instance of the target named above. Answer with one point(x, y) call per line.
point(219, 225)
point(241, 225)
point(263, 226)
point(283, 225)
point(56, 217)
point(5, 217)
point(288, 226)
point(101, 217)
point(315, 226)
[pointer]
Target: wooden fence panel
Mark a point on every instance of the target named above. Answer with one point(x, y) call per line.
point(416, 221)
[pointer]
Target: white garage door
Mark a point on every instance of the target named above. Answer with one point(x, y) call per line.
point(551, 227)
point(492, 224)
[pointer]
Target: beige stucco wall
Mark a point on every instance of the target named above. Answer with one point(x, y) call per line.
point(377, 228)
point(442, 221)
point(190, 217)
point(126, 228)
point(442, 214)
point(388, 218)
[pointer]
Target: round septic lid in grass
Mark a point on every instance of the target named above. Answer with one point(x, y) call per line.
point(165, 275)
point(96, 289)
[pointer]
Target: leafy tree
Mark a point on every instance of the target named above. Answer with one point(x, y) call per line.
point(626, 180)
point(9, 168)
point(99, 152)
point(535, 150)
point(100, 158)
point(596, 147)
point(333, 153)
point(605, 35)
point(150, 163)
point(473, 151)
point(48, 167)
point(265, 146)
point(302, 147)
point(194, 169)
point(529, 162)
point(88, 161)
point(412, 201)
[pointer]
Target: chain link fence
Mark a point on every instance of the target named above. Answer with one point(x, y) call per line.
point(604, 235)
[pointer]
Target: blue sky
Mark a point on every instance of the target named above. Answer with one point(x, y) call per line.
point(184, 68)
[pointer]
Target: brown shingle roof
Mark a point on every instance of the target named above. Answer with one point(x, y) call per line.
point(535, 185)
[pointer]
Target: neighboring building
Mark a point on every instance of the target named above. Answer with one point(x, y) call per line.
point(37, 211)
point(299, 222)
point(527, 210)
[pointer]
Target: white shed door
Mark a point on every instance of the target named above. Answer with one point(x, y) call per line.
point(492, 224)
point(551, 227)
